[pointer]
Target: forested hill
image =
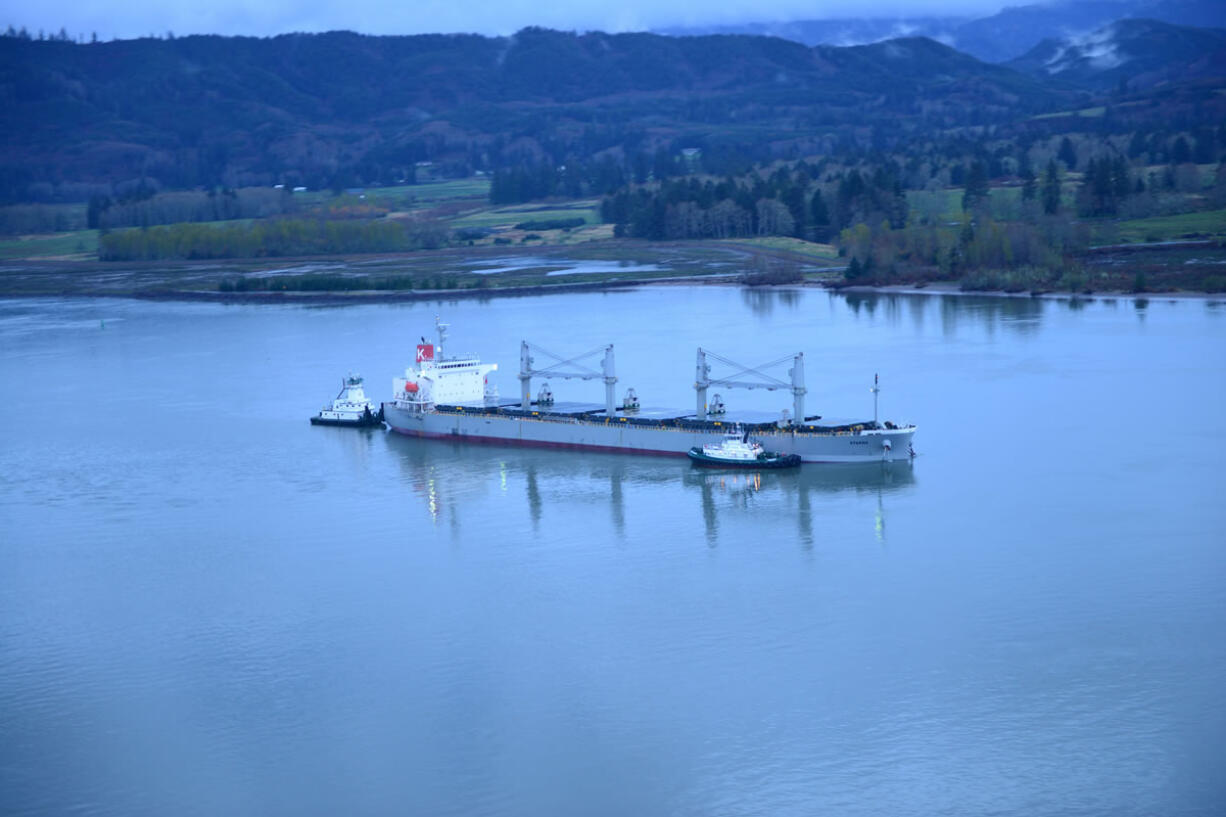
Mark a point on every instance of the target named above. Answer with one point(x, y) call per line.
point(321, 109)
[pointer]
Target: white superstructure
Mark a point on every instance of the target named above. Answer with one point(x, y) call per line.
point(734, 447)
point(439, 379)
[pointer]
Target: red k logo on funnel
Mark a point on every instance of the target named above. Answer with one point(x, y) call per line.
point(425, 352)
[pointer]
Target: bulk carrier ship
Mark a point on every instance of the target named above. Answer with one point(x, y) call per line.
point(451, 398)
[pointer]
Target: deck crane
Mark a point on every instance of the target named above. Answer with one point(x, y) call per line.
point(569, 368)
point(751, 377)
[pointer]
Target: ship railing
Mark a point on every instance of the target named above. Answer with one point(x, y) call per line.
point(555, 420)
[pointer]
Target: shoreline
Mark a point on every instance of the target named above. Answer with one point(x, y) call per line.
point(358, 297)
point(703, 264)
point(953, 288)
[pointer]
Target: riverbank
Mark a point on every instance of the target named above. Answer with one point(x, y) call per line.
point(452, 272)
point(482, 273)
point(954, 288)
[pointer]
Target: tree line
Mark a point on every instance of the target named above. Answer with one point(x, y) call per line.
point(787, 202)
point(143, 206)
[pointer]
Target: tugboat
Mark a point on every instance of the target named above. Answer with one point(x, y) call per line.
point(736, 451)
point(350, 408)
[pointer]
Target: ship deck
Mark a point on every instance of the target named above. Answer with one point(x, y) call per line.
point(658, 417)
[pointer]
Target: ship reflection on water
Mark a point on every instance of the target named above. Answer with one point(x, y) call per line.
point(450, 480)
point(742, 492)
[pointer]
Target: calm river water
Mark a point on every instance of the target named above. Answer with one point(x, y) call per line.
point(209, 607)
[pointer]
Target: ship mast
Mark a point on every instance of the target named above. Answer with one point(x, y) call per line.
point(875, 390)
point(441, 328)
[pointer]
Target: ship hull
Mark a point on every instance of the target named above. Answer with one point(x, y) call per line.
point(619, 437)
point(348, 419)
point(369, 421)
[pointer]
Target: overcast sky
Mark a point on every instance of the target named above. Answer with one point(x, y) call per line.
point(135, 18)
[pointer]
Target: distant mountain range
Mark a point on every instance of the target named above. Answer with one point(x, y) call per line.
point(1006, 35)
point(212, 110)
point(342, 108)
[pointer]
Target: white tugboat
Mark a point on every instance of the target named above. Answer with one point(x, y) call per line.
point(350, 408)
point(736, 451)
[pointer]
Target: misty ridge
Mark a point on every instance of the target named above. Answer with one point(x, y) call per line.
point(1006, 35)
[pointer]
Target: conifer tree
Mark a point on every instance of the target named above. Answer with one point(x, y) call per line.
point(1067, 154)
point(976, 185)
point(1051, 189)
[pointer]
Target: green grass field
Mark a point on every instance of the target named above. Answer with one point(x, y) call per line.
point(476, 187)
point(809, 249)
point(82, 243)
point(510, 216)
point(423, 195)
point(946, 205)
point(1207, 223)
